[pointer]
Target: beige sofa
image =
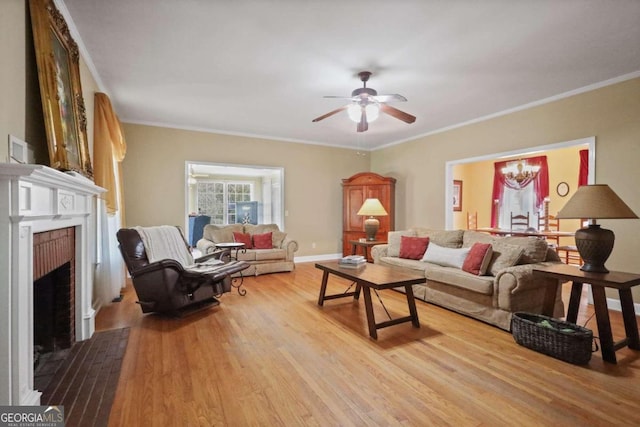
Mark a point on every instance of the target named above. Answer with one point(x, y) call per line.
point(278, 258)
point(491, 298)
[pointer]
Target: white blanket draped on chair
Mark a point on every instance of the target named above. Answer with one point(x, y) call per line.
point(165, 242)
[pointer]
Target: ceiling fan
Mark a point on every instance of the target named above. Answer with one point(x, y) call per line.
point(366, 105)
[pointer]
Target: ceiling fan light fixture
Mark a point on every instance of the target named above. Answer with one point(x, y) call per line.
point(372, 111)
point(355, 112)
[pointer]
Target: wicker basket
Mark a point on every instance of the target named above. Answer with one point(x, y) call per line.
point(573, 347)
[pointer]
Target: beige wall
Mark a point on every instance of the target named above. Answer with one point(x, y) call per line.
point(12, 72)
point(611, 114)
point(155, 190)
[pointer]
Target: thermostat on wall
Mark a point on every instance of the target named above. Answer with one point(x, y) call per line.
point(19, 151)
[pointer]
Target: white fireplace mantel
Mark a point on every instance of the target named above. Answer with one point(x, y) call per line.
point(33, 199)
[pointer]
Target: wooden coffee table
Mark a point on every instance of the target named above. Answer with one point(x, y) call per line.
point(376, 277)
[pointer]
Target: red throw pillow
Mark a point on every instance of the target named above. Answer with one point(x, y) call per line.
point(243, 238)
point(262, 241)
point(478, 259)
point(413, 247)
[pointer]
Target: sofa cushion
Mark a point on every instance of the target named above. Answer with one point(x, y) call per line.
point(243, 238)
point(413, 247)
point(504, 255)
point(249, 255)
point(270, 254)
point(448, 257)
point(220, 233)
point(534, 248)
point(393, 240)
point(458, 278)
point(445, 238)
point(262, 241)
point(403, 262)
point(478, 259)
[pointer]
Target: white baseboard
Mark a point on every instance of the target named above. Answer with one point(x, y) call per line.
point(614, 304)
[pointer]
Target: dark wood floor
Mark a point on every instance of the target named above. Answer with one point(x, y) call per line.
point(274, 357)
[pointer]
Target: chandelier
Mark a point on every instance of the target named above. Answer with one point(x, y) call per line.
point(520, 171)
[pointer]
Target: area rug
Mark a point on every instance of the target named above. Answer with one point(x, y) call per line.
point(85, 382)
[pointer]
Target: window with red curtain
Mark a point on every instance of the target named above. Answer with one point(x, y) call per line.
point(540, 185)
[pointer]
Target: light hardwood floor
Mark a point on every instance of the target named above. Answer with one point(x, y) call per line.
point(275, 358)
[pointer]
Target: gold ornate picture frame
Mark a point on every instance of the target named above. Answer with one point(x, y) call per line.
point(57, 58)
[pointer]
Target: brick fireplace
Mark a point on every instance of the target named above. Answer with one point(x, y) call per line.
point(47, 221)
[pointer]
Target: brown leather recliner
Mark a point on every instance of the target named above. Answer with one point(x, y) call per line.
point(165, 285)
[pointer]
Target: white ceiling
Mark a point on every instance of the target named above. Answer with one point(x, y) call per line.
point(262, 67)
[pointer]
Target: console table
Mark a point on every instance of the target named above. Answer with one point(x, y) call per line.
point(623, 282)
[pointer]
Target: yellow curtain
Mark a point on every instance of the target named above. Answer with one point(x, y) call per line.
point(109, 149)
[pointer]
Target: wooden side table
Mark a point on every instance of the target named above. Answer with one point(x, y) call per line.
point(623, 282)
point(365, 245)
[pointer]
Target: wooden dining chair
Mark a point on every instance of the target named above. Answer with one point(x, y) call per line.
point(569, 255)
point(519, 221)
point(472, 220)
point(551, 223)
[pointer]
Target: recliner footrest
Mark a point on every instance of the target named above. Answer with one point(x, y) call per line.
point(219, 272)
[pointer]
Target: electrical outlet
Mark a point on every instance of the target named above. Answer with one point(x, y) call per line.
point(313, 245)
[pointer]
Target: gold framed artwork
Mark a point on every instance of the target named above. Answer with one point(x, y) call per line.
point(457, 195)
point(58, 58)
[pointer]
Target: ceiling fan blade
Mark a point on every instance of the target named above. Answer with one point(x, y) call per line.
point(329, 114)
point(394, 112)
point(338, 97)
point(362, 124)
point(394, 97)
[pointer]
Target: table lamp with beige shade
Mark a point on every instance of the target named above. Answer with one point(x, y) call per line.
point(372, 208)
point(595, 202)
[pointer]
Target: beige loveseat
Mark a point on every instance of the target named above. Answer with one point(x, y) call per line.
point(507, 287)
point(278, 258)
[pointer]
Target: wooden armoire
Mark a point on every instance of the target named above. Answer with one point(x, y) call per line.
point(355, 191)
